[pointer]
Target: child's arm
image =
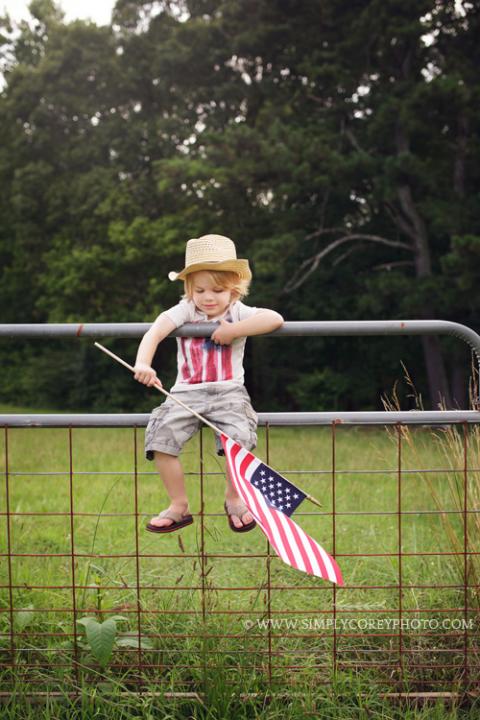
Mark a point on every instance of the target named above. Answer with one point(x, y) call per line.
point(264, 321)
point(144, 373)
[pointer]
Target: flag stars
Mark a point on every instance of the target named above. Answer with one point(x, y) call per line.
point(276, 490)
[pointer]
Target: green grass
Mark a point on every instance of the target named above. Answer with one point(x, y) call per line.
point(200, 641)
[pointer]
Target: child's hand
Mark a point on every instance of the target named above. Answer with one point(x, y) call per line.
point(224, 334)
point(146, 374)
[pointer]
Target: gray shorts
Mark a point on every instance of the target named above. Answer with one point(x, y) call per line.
point(227, 406)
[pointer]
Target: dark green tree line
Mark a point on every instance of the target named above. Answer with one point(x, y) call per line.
point(335, 141)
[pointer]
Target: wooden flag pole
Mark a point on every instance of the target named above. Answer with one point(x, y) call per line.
point(159, 387)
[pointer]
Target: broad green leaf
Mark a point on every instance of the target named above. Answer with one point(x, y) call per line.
point(132, 642)
point(100, 637)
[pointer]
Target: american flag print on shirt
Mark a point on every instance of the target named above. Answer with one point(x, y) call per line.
point(204, 360)
point(289, 541)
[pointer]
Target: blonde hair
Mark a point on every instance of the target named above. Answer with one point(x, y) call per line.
point(223, 278)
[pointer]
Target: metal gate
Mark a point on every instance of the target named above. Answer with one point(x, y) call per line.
point(404, 527)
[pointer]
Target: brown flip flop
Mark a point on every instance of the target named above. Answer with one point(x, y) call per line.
point(179, 521)
point(238, 508)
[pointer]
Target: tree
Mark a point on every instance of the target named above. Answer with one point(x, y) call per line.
point(335, 142)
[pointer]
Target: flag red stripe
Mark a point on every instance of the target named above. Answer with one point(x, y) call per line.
point(272, 515)
point(243, 489)
point(196, 357)
point(227, 362)
point(185, 371)
point(300, 544)
point(231, 456)
point(287, 554)
point(318, 556)
point(267, 525)
point(273, 519)
point(211, 364)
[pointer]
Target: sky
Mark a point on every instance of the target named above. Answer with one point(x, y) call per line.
point(97, 10)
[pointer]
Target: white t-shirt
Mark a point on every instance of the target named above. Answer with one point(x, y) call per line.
point(201, 361)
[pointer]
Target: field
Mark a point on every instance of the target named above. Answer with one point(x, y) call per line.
point(220, 616)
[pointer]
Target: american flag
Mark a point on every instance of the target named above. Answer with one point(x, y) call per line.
point(269, 508)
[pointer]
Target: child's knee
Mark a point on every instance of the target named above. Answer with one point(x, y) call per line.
point(164, 460)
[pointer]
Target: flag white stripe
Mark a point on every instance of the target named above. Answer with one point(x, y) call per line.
point(236, 481)
point(255, 500)
point(279, 518)
point(204, 361)
point(187, 346)
point(218, 359)
point(257, 497)
point(327, 561)
point(274, 516)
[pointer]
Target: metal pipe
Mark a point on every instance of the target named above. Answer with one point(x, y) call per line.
point(324, 328)
point(405, 417)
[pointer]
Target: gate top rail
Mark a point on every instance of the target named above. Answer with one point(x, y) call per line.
point(366, 417)
point(325, 328)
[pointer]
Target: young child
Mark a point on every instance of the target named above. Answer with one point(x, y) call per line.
point(210, 372)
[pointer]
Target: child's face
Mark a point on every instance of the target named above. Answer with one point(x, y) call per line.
point(210, 298)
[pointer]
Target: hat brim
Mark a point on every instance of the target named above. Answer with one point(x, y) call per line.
point(239, 266)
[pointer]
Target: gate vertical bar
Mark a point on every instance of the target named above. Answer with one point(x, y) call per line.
point(9, 552)
point(399, 541)
point(137, 558)
point(72, 556)
point(465, 557)
point(203, 565)
point(269, 580)
point(334, 585)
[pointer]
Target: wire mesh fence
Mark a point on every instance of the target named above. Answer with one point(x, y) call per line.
point(403, 526)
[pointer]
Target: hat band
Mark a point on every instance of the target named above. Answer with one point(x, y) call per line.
point(237, 265)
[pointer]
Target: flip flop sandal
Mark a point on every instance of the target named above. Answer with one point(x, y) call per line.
point(238, 508)
point(179, 521)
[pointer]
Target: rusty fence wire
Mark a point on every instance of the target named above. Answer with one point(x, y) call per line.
point(400, 494)
point(193, 604)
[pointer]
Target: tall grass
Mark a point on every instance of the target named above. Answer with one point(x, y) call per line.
point(459, 447)
point(197, 640)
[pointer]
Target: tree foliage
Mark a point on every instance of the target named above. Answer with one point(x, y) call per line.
point(335, 141)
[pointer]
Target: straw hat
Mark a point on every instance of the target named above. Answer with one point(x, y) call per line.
point(212, 252)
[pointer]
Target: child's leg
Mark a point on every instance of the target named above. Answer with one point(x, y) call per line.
point(231, 494)
point(171, 473)
point(233, 414)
